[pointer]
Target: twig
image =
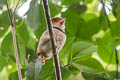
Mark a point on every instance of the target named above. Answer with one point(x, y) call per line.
point(114, 48)
point(15, 10)
point(107, 19)
point(49, 24)
point(15, 43)
point(117, 63)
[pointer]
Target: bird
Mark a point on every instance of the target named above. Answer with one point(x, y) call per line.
point(44, 49)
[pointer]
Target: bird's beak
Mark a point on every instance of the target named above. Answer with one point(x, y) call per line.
point(62, 21)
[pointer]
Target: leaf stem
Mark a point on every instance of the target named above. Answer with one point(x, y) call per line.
point(117, 63)
point(15, 42)
point(114, 47)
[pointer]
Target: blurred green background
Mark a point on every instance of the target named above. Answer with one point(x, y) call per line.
point(89, 52)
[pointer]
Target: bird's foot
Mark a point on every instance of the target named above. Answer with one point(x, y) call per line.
point(56, 52)
point(43, 60)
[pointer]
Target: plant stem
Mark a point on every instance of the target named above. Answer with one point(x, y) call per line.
point(114, 47)
point(14, 42)
point(117, 63)
point(49, 25)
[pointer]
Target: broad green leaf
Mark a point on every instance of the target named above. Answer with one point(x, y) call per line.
point(3, 62)
point(21, 50)
point(88, 1)
point(115, 29)
point(75, 26)
point(23, 32)
point(7, 47)
point(42, 17)
point(88, 29)
point(14, 75)
point(33, 15)
point(116, 9)
point(80, 49)
point(33, 70)
point(72, 22)
point(2, 2)
point(4, 22)
point(47, 68)
point(68, 3)
point(31, 54)
point(103, 21)
point(11, 68)
point(89, 16)
point(105, 48)
point(8, 50)
point(90, 65)
point(54, 9)
point(112, 75)
point(90, 76)
point(78, 8)
point(39, 31)
point(66, 50)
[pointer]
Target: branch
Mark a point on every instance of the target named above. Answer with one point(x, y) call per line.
point(15, 10)
point(15, 42)
point(107, 19)
point(117, 63)
point(49, 24)
point(114, 48)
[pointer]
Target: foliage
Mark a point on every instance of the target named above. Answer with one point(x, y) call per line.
point(89, 48)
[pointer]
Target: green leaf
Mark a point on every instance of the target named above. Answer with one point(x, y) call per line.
point(88, 29)
point(68, 3)
point(21, 50)
point(23, 32)
point(4, 22)
point(39, 31)
point(72, 22)
point(115, 28)
point(8, 50)
point(89, 16)
point(80, 49)
point(14, 75)
point(31, 54)
point(54, 9)
point(90, 76)
point(103, 21)
point(76, 26)
point(2, 2)
point(112, 75)
point(33, 15)
point(78, 8)
point(88, 1)
point(47, 68)
point(3, 62)
point(105, 48)
point(90, 65)
point(7, 47)
point(33, 70)
point(65, 53)
point(116, 9)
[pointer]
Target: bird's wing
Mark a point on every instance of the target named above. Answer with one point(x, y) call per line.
point(44, 39)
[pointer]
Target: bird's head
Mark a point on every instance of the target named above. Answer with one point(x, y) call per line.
point(58, 22)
